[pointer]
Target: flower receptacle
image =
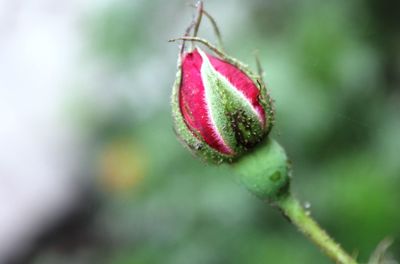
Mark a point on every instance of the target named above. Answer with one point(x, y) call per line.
point(266, 172)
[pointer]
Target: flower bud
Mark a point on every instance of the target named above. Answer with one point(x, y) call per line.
point(221, 109)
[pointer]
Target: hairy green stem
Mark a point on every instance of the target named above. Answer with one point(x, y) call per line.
point(295, 212)
point(265, 172)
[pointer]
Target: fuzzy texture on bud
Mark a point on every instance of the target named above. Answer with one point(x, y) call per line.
point(220, 108)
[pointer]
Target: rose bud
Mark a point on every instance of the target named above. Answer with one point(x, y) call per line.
point(220, 108)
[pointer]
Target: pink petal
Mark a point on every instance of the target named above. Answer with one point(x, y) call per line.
point(193, 105)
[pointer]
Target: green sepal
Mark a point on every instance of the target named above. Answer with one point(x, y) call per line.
point(233, 115)
point(265, 98)
point(265, 171)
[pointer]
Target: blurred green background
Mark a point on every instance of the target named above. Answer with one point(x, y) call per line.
point(333, 68)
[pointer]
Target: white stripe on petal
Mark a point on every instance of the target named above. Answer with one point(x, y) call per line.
point(230, 85)
point(207, 100)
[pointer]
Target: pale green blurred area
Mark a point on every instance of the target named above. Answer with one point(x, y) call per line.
point(333, 68)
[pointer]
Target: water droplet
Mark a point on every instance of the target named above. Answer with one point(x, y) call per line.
point(198, 146)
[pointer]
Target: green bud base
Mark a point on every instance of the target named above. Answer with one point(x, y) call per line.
point(265, 171)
